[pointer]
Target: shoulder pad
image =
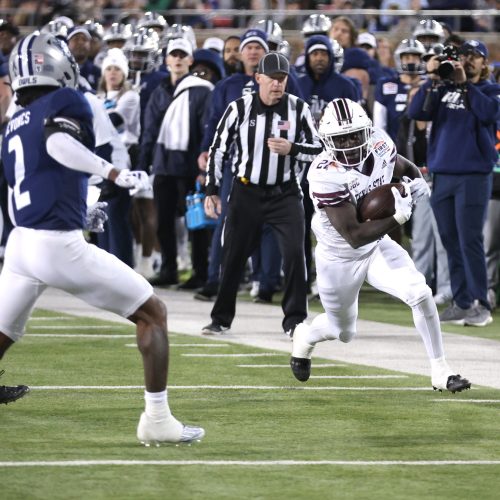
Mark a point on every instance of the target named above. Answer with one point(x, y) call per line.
point(70, 103)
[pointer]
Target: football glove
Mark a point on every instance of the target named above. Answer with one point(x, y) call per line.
point(136, 180)
point(418, 188)
point(96, 217)
point(402, 205)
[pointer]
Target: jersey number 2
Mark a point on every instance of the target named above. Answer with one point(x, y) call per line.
point(22, 199)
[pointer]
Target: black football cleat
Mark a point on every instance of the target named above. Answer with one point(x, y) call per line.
point(301, 368)
point(455, 383)
point(10, 394)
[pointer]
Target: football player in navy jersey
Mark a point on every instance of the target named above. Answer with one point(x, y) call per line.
point(48, 159)
point(391, 94)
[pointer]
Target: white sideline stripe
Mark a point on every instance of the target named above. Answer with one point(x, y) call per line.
point(74, 327)
point(468, 400)
point(326, 365)
point(248, 355)
point(226, 387)
point(250, 463)
point(187, 345)
point(358, 376)
point(49, 318)
point(80, 335)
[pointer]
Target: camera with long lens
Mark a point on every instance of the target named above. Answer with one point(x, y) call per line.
point(446, 56)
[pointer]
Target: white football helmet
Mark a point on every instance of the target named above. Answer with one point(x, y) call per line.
point(410, 46)
point(118, 32)
point(41, 59)
point(429, 32)
point(316, 24)
point(152, 20)
point(346, 132)
point(273, 30)
point(178, 31)
point(338, 55)
point(142, 50)
point(56, 28)
point(285, 49)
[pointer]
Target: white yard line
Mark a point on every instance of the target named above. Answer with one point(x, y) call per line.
point(325, 365)
point(358, 376)
point(226, 388)
point(239, 355)
point(248, 463)
point(50, 318)
point(75, 327)
point(80, 335)
point(449, 400)
point(188, 345)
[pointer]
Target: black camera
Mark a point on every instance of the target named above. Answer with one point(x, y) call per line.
point(446, 57)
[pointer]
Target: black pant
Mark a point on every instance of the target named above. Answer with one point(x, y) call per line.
point(249, 207)
point(170, 201)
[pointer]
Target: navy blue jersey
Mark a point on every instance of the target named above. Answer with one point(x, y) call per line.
point(392, 93)
point(91, 73)
point(46, 195)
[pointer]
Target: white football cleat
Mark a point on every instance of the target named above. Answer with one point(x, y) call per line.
point(444, 379)
point(168, 430)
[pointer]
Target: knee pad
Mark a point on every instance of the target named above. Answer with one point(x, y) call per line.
point(426, 306)
point(419, 294)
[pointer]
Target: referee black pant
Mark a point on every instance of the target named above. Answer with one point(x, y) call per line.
point(250, 206)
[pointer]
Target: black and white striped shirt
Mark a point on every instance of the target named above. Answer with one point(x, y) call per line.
point(243, 132)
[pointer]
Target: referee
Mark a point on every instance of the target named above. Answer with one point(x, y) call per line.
point(270, 131)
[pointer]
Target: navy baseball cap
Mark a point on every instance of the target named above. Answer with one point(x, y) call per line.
point(474, 46)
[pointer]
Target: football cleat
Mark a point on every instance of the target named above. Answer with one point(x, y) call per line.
point(301, 368)
point(454, 383)
point(9, 394)
point(300, 361)
point(166, 431)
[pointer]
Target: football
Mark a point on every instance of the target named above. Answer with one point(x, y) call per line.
point(378, 203)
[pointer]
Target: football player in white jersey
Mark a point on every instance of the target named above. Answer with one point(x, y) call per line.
point(358, 158)
point(47, 159)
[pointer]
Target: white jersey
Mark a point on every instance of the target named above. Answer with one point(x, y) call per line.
point(331, 184)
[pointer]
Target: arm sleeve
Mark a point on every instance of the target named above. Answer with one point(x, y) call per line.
point(415, 110)
point(485, 107)
point(379, 115)
point(220, 147)
point(72, 154)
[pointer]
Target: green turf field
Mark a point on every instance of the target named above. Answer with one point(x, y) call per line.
point(268, 436)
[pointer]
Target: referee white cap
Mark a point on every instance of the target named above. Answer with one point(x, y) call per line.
point(273, 63)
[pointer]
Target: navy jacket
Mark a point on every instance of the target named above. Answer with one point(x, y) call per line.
point(462, 139)
point(331, 85)
point(91, 73)
point(168, 162)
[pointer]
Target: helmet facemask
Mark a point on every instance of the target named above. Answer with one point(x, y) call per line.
point(349, 149)
point(346, 132)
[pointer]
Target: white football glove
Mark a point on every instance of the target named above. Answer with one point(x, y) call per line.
point(403, 205)
point(418, 188)
point(96, 217)
point(136, 180)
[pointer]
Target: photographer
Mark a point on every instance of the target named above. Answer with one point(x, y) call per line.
point(463, 106)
